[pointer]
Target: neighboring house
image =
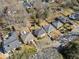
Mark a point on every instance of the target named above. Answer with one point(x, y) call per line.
point(55, 34)
point(39, 32)
point(74, 16)
point(57, 24)
point(63, 19)
point(49, 28)
point(27, 37)
point(10, 43)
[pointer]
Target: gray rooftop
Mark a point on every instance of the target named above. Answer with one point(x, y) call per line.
point(57, 23)
point(74, 16)
point(11, 42)
point(39, 32)
point(49, 28)
point(11, 45)
point(63, 19)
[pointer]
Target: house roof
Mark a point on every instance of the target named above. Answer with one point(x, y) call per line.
point(57, 23)
point(27, 37)
point(49, 28)
point(74, 16)
point(63, 19)
point(23, 36)
point(39, 32)
point(10, 38)
point(11, 43)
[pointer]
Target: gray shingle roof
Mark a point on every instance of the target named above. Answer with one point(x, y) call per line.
point(63, 19)
point(39, 32)
point(11, 45)
point(11, 38)
point(74, 16)
point(57, 23)
point(11, 42)
point(49, 28)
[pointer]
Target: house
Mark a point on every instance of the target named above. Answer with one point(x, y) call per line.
point(27, 37)
point(55, 34)
point(49, 28)
point(63, 19)
point(74, 16)
point(39, 32)
point(57, 24)
point(10, 43)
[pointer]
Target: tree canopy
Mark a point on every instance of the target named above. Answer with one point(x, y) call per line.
point(72, 51)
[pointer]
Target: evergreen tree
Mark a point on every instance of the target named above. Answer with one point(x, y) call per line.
point(72, 51)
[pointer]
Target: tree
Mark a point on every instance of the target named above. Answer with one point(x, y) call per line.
point(67, 3)
point(72, 51)
point(75, 5)
point(47, 53)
